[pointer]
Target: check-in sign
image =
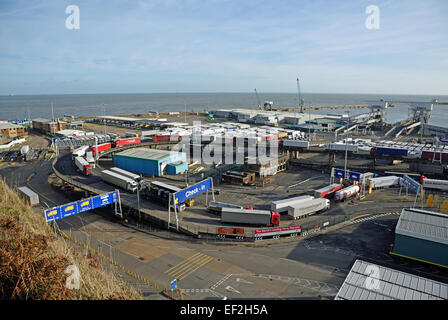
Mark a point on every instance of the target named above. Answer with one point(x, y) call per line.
point(52, 214)
point(192, 191)
point(69, 210)
point(84, 205)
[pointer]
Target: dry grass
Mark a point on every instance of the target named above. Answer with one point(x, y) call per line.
point(33, 260)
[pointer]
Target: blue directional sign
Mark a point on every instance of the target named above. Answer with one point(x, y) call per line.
point(69, 210)
point(340, 173)
point(104, 200)
point(52, 214)
point(192, 191)
point(354, 176)
point(173, 284)
point(410, 183)
point(83, 205)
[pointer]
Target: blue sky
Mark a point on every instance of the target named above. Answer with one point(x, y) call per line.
point(223, 46)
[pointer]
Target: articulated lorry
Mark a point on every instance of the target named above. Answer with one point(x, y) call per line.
point(80, 151)
point(118, 180)
point(83, 166)
point(131, 175)
point(29, 196)
point(254, 217)
point(282, 205)
point(309, 207)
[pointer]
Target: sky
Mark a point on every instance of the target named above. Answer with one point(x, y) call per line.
point(147, 46)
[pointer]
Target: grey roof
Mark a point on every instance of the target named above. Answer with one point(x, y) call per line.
point(146, 153)
point(389, 284)
point(4, 126)
point(422, 224)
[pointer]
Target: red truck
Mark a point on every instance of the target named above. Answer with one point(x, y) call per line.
point(101, 148)
point(125, 141)
point(83, 166)
point(328, 191)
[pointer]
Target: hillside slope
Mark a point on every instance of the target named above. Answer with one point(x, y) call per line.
point(33, 261)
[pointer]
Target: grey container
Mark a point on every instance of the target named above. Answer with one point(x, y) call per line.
point(282, 205)
point(309, 207)
point(30, 196)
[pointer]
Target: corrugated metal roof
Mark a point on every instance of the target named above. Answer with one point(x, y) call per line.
point(422, 224)
point(389, 284)
point(4, 126)
point(146, 153)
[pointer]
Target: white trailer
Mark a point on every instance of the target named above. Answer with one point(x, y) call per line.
point(29, 195)
point(246, 216)
point(312, 206)
point(435, 184)
point(282, 205)
point(341, 147)
point(131, 175)
point(119, 180)
point(80, 152)
point(83, 166)
point(382, 182)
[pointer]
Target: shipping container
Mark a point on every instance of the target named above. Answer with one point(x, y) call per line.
point(83, 166)
point(29, 196)
point(282, 205)
point(431, 155)
point(341, 147)
point(327, 191)
point(308, 207)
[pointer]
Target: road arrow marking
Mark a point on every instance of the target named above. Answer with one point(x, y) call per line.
point(243, 281)
point(229, 288)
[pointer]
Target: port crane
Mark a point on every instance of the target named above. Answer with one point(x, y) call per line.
point(267, 106)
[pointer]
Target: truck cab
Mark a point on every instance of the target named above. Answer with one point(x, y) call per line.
point(275, 218)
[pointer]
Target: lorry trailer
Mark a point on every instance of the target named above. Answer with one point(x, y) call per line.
point(282, 205)
point(327, 191)
point(382, 182)
point(160, 192)
point(253, 217)
point(83, 166)
point(347, 192)
point(80, 152)
point(435, 184)
point(29, 196)
point(125, 141)
point(309, 207)
point(119, 180)
point(100, 148)
point(131, 175)
point(216, 207)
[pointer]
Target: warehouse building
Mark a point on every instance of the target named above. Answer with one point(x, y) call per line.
point(367, 281)
point(422, 235)
point(11, 130)
point(49, 126)
point(151, 162)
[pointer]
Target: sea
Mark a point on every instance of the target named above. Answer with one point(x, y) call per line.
point(19, 107)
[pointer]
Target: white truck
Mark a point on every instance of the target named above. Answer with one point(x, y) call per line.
point(309, 207)
point(282, 205)
point(128, 174)
point(83, 166)
point(80, 151)
point(118, 180)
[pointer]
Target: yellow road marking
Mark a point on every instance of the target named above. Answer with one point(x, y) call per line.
point(182, 262)
point(187, 264)
point(199, 266)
